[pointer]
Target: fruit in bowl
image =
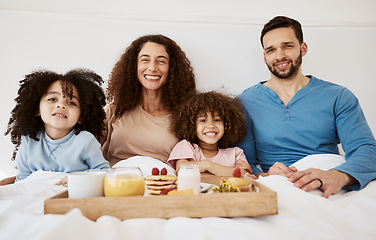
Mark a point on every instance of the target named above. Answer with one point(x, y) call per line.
point(233, 184)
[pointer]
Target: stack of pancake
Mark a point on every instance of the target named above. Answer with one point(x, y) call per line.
point(155, 184)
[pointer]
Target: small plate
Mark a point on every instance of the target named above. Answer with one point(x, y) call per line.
point(205, 187)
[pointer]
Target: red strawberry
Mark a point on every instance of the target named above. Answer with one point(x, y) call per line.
point(155, 171)
point(165, 191)
point(164, 171)
point(237, 173)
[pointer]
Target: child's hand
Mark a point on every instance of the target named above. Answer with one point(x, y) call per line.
point(244, 167)
point(7, 181)
point(63, 181)
point(204, 165)
point(251, 176)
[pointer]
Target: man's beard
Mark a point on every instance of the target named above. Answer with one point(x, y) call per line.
point(290, 72)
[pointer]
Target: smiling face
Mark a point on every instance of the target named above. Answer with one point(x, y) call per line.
point(209, 130)
point(152, 66)
point(59, 113)
point(283, 53)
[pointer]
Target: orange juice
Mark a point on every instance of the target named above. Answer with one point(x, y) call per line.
point(124, 185)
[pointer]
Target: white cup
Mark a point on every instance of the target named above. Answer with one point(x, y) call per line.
point(189, 177)
point(86, 184)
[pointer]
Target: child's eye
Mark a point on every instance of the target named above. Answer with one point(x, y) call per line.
point(72, 103)
point(51, 99)
point(218, 120)
point(202, 120)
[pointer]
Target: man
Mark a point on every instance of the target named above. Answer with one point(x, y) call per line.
point(292, 115)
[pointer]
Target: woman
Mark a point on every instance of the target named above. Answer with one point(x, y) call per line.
point(152, 76)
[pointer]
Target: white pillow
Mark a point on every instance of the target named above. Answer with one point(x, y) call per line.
point(41, 176)
point(320, 161)
point(146, 164)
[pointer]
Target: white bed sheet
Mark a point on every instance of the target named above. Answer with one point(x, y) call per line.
point(302, 215)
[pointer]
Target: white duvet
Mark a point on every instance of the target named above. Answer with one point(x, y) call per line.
point(347, 215)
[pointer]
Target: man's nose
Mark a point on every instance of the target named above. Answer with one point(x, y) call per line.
point(280, 54)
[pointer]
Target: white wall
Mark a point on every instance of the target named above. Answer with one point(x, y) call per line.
point(221, 38)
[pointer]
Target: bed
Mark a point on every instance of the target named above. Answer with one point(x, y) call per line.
point(301, 215)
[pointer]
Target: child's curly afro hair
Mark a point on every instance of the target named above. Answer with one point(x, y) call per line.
point(25, 120)
point(184, 117)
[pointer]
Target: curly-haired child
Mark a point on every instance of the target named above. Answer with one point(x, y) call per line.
point(209, 125)
point(57, 122)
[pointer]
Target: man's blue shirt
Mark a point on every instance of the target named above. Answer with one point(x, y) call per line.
point(319, 117)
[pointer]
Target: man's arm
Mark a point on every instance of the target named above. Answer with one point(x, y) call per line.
point(357, 141)
point(359, 145)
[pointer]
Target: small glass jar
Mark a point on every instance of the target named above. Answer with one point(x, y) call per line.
point(189, 177)
point(124, 181)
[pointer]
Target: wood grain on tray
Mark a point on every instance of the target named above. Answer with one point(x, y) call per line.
point(261, 202)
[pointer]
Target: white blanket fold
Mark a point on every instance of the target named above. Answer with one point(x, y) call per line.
point(301, 215)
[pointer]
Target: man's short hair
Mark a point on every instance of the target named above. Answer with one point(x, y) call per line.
point(283, 22)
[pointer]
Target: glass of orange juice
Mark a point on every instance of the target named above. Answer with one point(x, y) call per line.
point(124, 181)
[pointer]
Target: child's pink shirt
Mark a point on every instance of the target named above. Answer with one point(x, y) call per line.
point(228, 157)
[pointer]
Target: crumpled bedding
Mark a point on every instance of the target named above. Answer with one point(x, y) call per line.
point(301, 215)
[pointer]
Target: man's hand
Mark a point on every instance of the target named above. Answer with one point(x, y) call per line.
point(277, 169)
point(281, 169)
point(330, 182)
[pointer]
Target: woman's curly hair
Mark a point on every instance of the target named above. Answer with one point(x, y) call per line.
point(25, 119)
point(184, 117)
point(124, 88)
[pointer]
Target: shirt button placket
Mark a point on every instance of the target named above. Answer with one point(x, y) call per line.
point(287, 110)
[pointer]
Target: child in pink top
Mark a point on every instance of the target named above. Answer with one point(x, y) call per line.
point(208, 124)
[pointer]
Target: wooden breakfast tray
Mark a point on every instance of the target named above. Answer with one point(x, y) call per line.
point(244, 204)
